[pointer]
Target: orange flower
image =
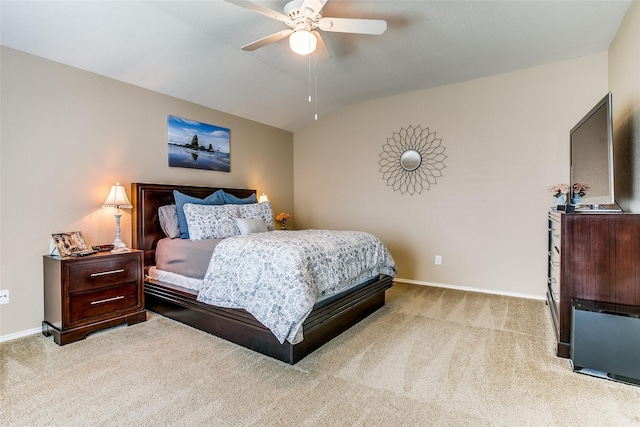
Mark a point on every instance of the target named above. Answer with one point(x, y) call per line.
point(282, 216)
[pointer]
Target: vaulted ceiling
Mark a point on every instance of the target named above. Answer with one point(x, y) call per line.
point(192, 49)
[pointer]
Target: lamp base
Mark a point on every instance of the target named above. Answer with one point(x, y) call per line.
point(120, 250)
point(119, 244)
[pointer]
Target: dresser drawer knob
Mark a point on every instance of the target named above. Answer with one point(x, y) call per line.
point(103, 273)
point(107, 300)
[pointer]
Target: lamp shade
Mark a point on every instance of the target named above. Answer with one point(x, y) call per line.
point(117, 198)
point(303, 42)
point(263, 198)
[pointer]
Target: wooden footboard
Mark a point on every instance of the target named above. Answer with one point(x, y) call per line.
point(236, 325)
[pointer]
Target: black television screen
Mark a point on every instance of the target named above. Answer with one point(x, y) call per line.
point(592, 159)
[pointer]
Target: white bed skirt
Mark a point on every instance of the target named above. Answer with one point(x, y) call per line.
point(174, 279)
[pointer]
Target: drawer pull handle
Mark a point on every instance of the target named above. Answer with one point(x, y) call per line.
point(107, 300)
point(102, 273)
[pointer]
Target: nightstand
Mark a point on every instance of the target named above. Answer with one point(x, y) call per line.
point(84, 294)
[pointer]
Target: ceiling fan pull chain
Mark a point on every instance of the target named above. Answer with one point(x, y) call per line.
point(309, 56)
point(315, 75)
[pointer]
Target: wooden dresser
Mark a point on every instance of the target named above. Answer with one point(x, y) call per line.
point(594, 257)
point(84, 294)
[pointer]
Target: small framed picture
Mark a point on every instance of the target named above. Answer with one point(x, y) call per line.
point(70, 244)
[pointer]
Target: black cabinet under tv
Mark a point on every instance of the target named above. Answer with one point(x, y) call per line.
point(593, 257)
point(605, 340)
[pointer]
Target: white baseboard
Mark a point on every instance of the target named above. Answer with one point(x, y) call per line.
point(17, 335)
point(414, 282)
point(470, 289)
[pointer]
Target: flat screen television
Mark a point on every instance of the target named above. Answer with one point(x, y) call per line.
point(592, 160)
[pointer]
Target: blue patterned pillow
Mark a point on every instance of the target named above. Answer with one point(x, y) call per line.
point(233, 200)
point(258, 210)
point(212, 199)
point(211, 221)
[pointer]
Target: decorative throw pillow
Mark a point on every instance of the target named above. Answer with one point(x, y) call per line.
point(251, 225)
point(211, 221)
point(233, 200)
point(168, 216)
point(212, 199)
point(258, 210)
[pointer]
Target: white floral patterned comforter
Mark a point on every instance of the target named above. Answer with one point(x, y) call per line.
point(277, 276)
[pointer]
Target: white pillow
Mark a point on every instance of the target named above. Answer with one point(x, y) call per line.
point(211, 221)
point(258, 210)
point(251, 225)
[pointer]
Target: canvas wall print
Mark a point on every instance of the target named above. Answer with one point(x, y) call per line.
point(198, 145)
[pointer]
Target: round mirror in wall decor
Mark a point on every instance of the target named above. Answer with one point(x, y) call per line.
point(412, 160)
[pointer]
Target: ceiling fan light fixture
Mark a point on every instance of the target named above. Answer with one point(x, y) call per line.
point(303, 42)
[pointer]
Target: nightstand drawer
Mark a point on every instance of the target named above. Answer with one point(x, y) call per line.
point(84, 305)
point(92, 275)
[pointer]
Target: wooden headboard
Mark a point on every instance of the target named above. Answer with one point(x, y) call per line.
point(147, 198)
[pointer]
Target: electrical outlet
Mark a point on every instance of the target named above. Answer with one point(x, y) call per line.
point(4, 296)
point(438, 260)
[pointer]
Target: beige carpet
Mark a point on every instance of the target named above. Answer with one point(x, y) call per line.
point(431, 357)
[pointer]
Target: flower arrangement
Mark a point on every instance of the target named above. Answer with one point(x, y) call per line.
point(563, 189)
point(559, 190)
point(580, 189)
point(282, 218)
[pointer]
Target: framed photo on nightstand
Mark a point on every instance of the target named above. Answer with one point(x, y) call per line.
point(71, 244)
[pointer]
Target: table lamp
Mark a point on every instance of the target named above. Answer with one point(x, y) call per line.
point(117, 199)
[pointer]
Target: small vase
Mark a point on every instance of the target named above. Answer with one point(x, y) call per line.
point(576, 199)
point(560, 200)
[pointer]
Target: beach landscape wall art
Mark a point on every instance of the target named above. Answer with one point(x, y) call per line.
point(198, 145)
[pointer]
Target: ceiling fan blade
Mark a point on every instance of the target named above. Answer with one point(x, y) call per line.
point(262, 10)
point(269, 39)
point(311, 8)
point(348, 25)
point(321, 53)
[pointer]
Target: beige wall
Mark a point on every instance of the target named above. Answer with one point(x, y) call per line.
point(68, 135)
point(624, 83)
point(507, 141)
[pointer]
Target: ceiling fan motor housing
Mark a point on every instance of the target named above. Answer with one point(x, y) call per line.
point(303, 19)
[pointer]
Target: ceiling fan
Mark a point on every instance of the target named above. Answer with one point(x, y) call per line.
point(304, 18)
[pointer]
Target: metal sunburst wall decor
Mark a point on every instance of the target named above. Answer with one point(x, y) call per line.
point(412, 160)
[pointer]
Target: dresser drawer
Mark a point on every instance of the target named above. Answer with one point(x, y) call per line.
point(106, 272)
point(84, 305)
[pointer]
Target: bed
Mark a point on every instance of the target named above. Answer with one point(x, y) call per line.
point(329, 317)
